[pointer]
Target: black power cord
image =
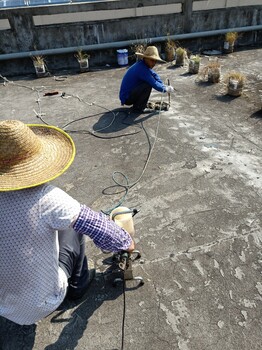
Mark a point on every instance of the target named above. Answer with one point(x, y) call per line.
point(124, 315)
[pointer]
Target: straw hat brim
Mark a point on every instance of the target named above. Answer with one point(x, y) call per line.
point(56, 154)
point(153, 57)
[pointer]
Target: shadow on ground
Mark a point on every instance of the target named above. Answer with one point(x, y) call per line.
point(14, 336)
point(120, 119)
point(257, 114)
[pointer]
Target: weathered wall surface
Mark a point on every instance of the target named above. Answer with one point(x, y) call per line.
point(24, 30)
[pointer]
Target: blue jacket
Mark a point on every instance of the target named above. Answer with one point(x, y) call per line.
point(137, 74)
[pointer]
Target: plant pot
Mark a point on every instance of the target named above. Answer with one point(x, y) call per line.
point(180, 60)
point(169, 54)
point(84, 65)
point(40, 70)
point(234, 88)
point(193, 67)
point(228, 47)
point(214, 75)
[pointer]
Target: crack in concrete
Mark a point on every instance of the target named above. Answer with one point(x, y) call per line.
point(202, 248)
point(244, 137)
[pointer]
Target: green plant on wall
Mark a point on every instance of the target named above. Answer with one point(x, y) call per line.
point(231, 37)
point(170, 47)
point(81, 55)
point(139, 48)
point(38, 60)
point(229, 42)
point(40, 65)
point(83, 58)
point(170, 44)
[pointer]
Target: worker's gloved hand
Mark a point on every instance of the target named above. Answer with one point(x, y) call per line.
point(169, 89)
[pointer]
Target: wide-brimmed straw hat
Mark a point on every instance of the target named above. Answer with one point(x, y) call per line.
point(32, 154)
point(150, 52)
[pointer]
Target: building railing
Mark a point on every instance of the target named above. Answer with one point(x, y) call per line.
point(198, 5)
point(23, 3)
point(62, 27)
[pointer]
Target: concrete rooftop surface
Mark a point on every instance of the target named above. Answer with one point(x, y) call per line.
point(194, 172)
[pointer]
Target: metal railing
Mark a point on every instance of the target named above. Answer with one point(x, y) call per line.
point(24, 3)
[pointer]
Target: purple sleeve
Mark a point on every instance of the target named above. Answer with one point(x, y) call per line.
point(103, 231)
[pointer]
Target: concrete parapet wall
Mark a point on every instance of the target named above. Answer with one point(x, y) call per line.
point(74, 25)
point(216, 4)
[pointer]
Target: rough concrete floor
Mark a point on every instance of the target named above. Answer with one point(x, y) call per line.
point(199, 228)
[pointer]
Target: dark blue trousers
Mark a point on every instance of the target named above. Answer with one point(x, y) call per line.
point(72, 259)
point(139, 97)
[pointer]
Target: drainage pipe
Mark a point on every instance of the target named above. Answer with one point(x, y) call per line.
point(121, 44)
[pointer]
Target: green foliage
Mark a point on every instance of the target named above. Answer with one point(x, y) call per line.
point(195, 58)
point(80, 55)
point(231, 37)
point(38, 60)
point(234, 76)
point(180, 51)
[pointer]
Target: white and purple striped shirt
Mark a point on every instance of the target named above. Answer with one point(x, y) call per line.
point(32, 284)
point(103, 231)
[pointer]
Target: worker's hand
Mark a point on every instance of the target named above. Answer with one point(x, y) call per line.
point(169, 89)
point(131, 247)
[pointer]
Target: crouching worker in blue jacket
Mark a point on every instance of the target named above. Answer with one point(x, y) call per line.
point(139, 80)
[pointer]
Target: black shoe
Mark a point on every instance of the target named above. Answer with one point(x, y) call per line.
point(74, 293)
point(142, 111)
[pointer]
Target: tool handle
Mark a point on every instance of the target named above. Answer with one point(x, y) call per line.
point(133, 212)
point(121, 212)
point(169, 95)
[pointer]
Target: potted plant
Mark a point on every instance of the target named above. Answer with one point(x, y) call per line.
point(180, 56)
point(229, 42)
point(39, 64)
point(214, 72)
point(170, 50)
point(211, 72)
point(235, 83)
point(194, 64)
point(83, 60)
point(140, 48)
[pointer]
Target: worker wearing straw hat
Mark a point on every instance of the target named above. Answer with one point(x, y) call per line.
point(139, 80)
point(42, 257)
